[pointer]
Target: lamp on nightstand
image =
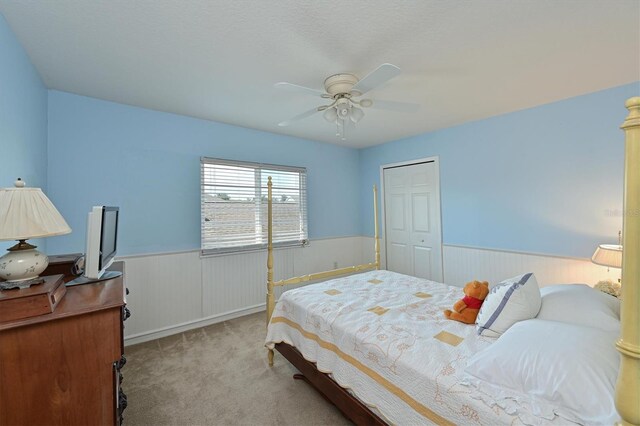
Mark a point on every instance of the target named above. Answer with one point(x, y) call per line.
point(609, 255)
point(26, 213)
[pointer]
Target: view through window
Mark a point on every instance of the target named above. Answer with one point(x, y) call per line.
point(234, 205)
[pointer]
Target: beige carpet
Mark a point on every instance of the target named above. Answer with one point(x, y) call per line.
point(218, 375)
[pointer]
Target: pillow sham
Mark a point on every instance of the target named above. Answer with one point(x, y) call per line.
point(551, 368)
point(580, 304)
point(512, 300)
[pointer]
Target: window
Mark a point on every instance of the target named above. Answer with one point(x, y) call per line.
point(234, 205)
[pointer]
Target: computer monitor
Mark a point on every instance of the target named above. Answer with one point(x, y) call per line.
point(102, 237)
point(102, 244)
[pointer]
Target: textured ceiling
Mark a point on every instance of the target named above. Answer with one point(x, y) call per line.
point(218, 60)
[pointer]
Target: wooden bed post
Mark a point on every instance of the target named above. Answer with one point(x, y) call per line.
point(375, 226)
point(271, 302)
point(271, 284)
point(628, 384)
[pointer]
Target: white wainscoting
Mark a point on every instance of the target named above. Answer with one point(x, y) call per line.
point(464, 264)
point(174, 292)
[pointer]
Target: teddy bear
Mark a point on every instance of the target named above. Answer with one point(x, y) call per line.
point(466, 309)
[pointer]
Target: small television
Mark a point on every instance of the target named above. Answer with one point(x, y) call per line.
point(102, 240)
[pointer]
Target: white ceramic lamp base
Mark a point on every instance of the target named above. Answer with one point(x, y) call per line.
point(21, 266)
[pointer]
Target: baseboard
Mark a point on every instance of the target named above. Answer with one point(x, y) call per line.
point(202, 322)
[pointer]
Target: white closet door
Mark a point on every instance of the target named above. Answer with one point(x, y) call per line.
point(413, 235)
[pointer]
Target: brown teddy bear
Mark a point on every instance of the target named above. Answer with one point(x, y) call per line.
point(466, 309)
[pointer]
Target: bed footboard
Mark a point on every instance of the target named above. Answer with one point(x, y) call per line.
point(271, 301)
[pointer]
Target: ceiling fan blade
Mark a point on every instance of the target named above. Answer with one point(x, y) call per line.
point(298, 117)
point(377, 77)
point(299, 89)
point(395, 106)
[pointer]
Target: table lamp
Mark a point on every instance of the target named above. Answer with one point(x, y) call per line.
point(26, 213)
point(609, 255)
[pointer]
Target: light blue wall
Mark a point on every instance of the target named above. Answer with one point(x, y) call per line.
point(546, 179)
point(148, 163)
point(23, 119)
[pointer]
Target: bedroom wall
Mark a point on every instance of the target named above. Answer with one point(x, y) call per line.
point(148, 163)
point(23, 119)
point(542, 181)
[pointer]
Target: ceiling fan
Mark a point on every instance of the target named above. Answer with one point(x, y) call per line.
point(344, 92)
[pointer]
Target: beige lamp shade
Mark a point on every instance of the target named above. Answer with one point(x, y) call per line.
point(608, 255)
point(27, 213)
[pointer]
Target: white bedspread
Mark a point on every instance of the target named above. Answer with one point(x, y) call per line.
point(375, 333)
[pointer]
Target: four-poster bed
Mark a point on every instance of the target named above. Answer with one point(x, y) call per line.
point(447, 394)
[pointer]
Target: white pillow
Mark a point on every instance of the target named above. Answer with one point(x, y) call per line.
point(512, 300)
point(580, 304)
point(550, 368)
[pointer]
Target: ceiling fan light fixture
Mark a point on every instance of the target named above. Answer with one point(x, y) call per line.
point(341, 92)
point(356, 114)
point(342, 107)
point(330, 114)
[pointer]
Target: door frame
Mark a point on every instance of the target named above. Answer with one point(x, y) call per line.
point(436, 161)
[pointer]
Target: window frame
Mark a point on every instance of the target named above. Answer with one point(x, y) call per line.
point(261, 214)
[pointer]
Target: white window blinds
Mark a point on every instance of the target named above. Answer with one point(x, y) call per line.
point(234, 205)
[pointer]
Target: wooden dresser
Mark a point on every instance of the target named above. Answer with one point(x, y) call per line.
point(63, 368)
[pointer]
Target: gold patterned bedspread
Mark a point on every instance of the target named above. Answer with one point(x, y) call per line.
point(383, 336)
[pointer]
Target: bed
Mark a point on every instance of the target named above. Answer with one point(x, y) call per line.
point(377, 346)
point(382, 335)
